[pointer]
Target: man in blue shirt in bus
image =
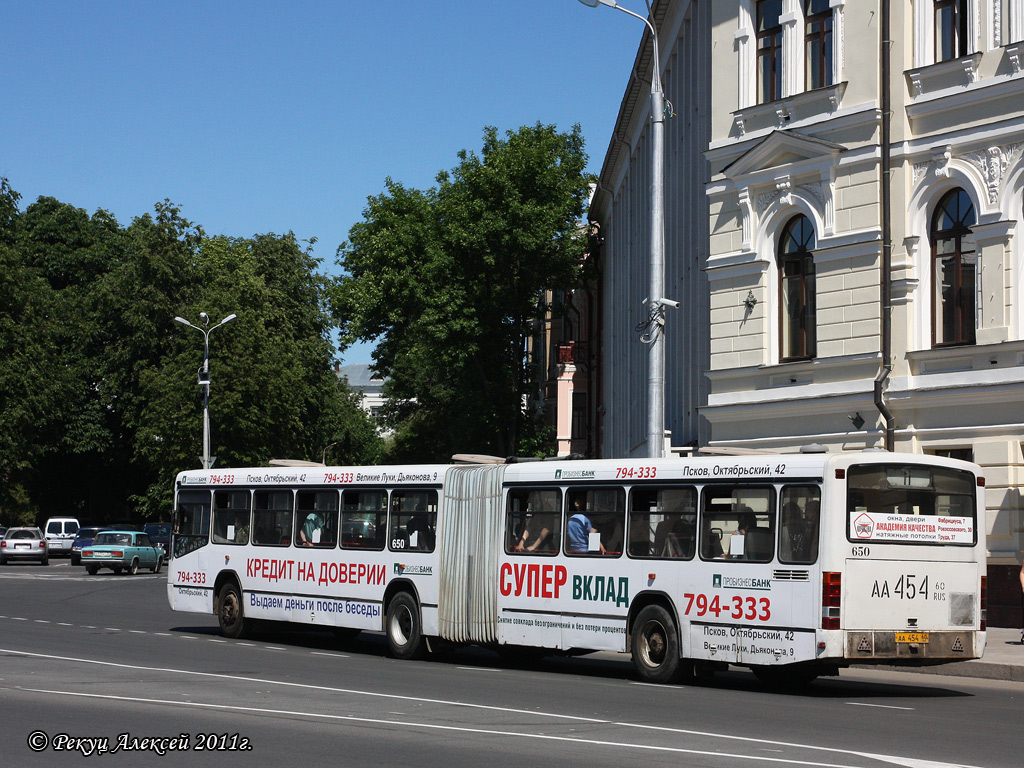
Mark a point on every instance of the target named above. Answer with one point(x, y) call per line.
point(578, 531)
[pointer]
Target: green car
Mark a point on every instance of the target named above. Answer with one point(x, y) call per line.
point(122, 551)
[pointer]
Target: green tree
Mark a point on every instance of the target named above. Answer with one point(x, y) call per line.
point(99, 407)
point(448, 279)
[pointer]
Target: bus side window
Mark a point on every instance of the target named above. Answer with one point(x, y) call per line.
point(363, 519)
point(738, 523)
point(191, 522)
point(596, 520)
point(532, 521)
point(799, 524)
point(663, 522)
point(272, 517)
point(413, 520)
point(316, 519)
point(231, 517)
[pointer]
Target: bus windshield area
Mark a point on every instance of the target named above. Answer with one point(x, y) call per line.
point(911, 503)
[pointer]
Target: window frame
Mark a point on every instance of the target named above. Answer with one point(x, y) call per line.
point(802, 257)
point(965, 307)
point(823, 63)
point(768, 46)
point(959, 30)
point(599, 518)
point(519, 539)
point(674, 538)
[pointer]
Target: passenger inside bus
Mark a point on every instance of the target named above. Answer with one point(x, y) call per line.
point(536, 535)
point(311, 530)
point(578, 532)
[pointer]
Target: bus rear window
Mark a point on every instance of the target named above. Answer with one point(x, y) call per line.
point(911, 504)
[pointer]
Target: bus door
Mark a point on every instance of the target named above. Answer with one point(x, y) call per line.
point(188, 585)
point(734, 604)
point(533, 582)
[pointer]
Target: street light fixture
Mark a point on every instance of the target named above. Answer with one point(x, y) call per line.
point(654, 328)
point(204, 377)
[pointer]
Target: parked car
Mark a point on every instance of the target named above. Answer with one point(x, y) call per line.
point(122, 551)
point(23, 543)
point(60, 533)
point(83, 539)
point(160, 535)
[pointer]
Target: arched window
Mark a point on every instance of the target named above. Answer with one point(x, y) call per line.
point(797, 324)
point(953, 270)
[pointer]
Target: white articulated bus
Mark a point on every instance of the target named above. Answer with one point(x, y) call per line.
point(793, 565)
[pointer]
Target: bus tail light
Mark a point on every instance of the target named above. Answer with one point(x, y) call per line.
point(831, 592)
point(984, 602)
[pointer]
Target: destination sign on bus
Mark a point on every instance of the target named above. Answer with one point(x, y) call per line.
point(912, 528)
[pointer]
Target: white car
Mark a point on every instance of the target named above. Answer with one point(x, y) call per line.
point(60, 533)
point(24, 544)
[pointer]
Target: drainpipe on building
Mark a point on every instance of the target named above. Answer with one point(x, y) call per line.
point(885, 52)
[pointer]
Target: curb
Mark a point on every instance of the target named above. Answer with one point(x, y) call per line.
point(981, 670)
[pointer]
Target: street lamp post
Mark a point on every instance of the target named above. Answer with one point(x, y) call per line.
point(204, 376)
point(655, 326)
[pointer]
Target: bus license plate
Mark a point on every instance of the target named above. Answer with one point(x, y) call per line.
point(911, 637)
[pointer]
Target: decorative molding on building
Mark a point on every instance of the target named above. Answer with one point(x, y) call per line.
point(939, 164)
point(993, 163)
point(1013, 52)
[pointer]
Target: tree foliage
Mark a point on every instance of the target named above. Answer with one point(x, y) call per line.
point(100, 401)
point(447, 281)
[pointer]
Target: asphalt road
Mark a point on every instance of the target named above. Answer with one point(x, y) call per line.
point(103, 658)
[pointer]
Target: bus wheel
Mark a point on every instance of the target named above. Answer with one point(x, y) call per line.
point(655, 645)
point(229, 612)
point(404, 631)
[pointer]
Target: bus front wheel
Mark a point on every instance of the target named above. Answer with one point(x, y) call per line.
point(655, 645)
point(404, 631)
point(230, 614)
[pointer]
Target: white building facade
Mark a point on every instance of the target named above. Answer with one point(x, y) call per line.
point(800, 226)
point(798, 235)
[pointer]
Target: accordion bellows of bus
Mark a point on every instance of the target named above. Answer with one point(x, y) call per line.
point(792, 565)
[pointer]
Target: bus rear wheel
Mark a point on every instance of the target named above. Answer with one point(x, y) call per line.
point(655, 645)
point(404, 630)
point(230, 614)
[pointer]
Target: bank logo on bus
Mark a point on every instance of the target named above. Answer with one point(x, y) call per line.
point(414, 570)
point(574, 474)
point(718, 581)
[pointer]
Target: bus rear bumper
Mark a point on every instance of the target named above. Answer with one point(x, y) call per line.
point(913, 648)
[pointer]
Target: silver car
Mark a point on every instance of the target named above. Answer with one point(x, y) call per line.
point(24, 544)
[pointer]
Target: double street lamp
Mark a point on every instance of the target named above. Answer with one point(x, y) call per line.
point(653, 334)
point(204, 377)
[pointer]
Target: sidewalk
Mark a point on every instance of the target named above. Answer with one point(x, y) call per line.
point(1003, 659)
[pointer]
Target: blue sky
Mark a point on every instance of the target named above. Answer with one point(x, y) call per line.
point(267, 116)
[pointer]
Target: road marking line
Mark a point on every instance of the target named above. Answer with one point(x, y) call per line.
point(910, 762)
point(879, 706)
point(322, 653)
point(437, 727)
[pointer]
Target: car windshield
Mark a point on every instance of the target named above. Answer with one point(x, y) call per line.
point(21, 535)
point(87, 533)
point(158, 530)
point(114, 538)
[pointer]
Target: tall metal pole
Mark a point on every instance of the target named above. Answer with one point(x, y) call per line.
point(655, 330)
point(204, 378)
